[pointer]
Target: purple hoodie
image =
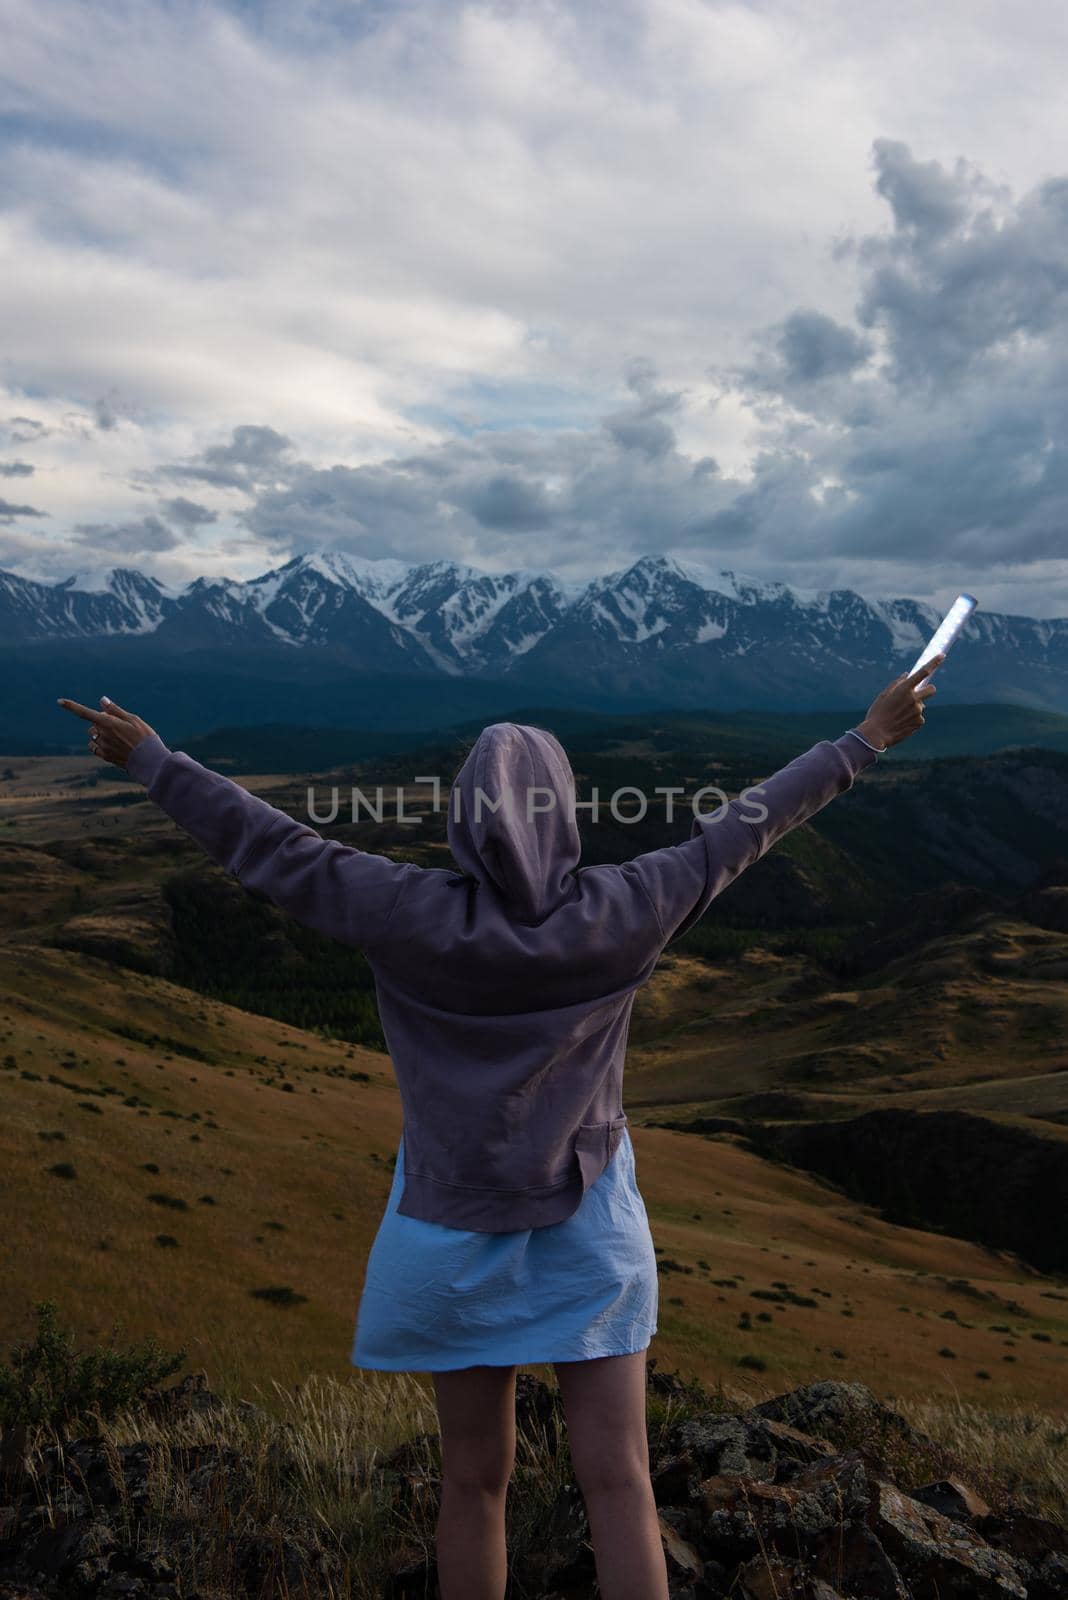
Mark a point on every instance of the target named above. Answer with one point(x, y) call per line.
point(504, 991)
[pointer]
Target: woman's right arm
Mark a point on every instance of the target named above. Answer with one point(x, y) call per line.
point(682, 880)
point(346, 893)
point(334, 888)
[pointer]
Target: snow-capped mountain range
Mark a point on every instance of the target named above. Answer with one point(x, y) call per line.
point(659, 631)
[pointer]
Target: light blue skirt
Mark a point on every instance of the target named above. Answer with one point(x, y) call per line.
point(437, 1298)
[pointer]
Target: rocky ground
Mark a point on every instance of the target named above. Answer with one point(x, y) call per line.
point(801, 1497)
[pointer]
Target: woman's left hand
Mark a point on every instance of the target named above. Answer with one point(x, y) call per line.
point(114, 732)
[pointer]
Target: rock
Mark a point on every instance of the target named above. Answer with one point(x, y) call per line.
point(1038, 1547)
point(794, 1445)
point(190, 1396)
point(416, 1578)
point(836, 1412)
point(215, 1476)
point(773, 1579)
point(673, 1481)
point(853, 1557)
point(250, 1412)
point(55, 1551)
point(1024, 1534)
point(81, 1474)
point(83, 1558)
point(843, 1482)
point(784, 1501)
point(568, 1555)
point(712, 1444)
point(670, 1385)
point(1046, 908)
point(151, 1565)
point(567, 1524)
point(747, 1445)
point(953, 1499)
point(85, 1538)
point(938, 1557)
point(410, 1474)
point(681, 1557)
point(574, 1577)
point(278, 1560)
point(746, 1515)
point(414, 1455)
point(1049, 1579)
point(538, 1410)
point(13, 1437)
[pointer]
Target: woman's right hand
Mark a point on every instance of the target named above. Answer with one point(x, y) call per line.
point(897, 712)
point(114, 732)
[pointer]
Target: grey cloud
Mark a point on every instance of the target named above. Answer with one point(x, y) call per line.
point(187, 513)
point(805, 349)
point(861, 469)
point(78, 423)
point(949, 454)
point(590, 495)
point(9, 512)
point(635, 431)
point(736, 524)
point(641, 426)
point(106, 413)
point(974, 287)
point(814, 346)
point(255, 455)
point(145, 534)
point(21, 430)
point(955, 449)
point(505, 501)
point(922, 195)
point(16, 469)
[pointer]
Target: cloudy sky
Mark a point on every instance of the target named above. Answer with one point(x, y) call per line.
point(779, 286)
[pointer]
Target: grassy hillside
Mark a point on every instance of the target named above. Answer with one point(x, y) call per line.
point(215, 1175)
point(770, 736)
point(171, 1161)
point(974, 1018)
point(215, 1154)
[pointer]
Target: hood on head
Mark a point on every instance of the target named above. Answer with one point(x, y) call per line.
point(496, 830)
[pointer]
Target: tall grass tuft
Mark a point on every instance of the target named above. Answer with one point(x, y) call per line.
point(1025, 1452)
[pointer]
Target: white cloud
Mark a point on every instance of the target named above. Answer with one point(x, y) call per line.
point(372, 228)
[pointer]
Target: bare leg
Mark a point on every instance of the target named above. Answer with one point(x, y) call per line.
point(476, 1414)
point(604, 1403)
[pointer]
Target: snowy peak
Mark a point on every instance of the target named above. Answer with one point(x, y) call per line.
point(659, 599)
point(90, 604)
point(472, 618)
point(114, 580)
point(674, 630)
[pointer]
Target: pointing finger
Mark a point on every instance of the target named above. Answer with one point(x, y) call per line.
point(115, 710)
point(924, 669)
point(102, 717)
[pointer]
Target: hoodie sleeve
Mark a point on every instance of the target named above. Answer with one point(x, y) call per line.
point(682, 880)
point(332, 887)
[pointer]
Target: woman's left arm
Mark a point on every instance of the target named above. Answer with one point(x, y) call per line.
point(346, 893)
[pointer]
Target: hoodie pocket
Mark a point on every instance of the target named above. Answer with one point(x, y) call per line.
point(595, 1145)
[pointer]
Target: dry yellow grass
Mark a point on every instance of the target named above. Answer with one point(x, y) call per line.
point(311, 1459)
point(316, 1161)
point(988, 1035)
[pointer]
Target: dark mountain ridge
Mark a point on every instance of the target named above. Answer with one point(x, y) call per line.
point(658, 633)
